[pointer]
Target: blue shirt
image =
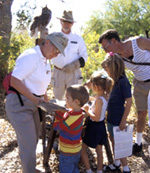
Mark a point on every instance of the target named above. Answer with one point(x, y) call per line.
point(120, 92)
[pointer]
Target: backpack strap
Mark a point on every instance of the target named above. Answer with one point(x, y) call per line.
point(135, 63)
point(18, 94)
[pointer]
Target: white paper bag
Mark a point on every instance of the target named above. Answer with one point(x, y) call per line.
point(123, 141)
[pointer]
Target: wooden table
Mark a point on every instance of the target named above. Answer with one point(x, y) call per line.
point(48, 109)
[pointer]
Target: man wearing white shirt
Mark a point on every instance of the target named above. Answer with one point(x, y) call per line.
point(66, 70)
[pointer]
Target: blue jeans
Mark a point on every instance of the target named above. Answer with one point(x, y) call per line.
point(69, 164)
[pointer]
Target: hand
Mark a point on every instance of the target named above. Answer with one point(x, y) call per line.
point(122, 125)
point(86, 107)
point(72, 66)
point(46, 99)
point(88, 84)
point(37, 100)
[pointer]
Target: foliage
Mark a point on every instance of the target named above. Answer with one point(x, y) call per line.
point(128, 17)
point(18, 43)
point(95, 55)
point(4, 52)
point(24, 16)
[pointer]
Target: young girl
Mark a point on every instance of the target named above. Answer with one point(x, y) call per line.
point(95, 133)
point(119, 103)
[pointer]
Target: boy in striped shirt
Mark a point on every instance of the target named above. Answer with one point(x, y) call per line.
point(70, 125)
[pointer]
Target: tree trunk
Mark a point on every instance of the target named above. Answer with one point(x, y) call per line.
point(5, 32)
point(5, 18)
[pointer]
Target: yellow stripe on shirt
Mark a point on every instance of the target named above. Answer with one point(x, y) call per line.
point(72, 119)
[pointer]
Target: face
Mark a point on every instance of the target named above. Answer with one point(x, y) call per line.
point(66, 26)
point(106, 45)
point(70, 103)
point(107, 70)
point(94, 88)
point(49, 50)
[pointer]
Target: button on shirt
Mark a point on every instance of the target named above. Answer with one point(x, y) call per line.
point(75, 49)
point(33, 70)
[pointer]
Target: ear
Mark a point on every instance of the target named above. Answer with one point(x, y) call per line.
point(47, 42)
point(95, 87)
point(77, 101)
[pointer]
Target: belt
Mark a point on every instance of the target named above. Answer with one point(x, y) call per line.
point(148, 80)
point(57, 68)
point(38, 95)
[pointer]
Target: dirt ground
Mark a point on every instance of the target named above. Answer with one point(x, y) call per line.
point(10, 162)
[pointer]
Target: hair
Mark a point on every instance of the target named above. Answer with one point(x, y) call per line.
point(101, 79)
point(109, 34)
point(79, 92)
point(116, 66)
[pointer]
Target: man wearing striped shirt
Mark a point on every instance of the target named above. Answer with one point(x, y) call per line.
point(69, 125)
point(134, 51)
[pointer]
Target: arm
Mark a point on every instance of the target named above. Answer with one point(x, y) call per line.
point(143, 43)
point(122, 124)
point(82, 53)
point(19, 86)
point(74, 65)
point(46, 97)
point(98, 107)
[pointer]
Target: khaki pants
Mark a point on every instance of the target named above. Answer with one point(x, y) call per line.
point(61, 81)
point(141, 91)
point(25, 120)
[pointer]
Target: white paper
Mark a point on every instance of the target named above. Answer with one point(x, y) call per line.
point(123, 141)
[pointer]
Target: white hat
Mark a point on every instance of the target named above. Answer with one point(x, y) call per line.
point(59, 40)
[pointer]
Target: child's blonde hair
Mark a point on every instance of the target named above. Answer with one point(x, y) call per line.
point(101, 79)
point(115, 64)
point(79, 92)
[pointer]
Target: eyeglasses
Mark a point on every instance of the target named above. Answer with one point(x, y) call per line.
point(55, 51)
point(105, 48)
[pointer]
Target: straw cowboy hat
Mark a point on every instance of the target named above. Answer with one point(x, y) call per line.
point(67, 16)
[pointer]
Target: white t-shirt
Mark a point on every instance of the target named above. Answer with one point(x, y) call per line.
point(33, 70)
point(75, 49)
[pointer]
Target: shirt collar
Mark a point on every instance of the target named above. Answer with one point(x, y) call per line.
point(38, 50)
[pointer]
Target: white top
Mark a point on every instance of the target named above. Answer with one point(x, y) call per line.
point(75, 49)
point(33, 70)
point(141, 72)
point(104, 107)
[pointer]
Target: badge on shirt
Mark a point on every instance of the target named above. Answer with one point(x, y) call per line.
point(47, 71)
point(74, 42)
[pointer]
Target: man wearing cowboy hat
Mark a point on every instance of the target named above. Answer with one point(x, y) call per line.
point(66, 70)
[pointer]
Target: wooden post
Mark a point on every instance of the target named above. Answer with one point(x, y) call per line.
point(108, 152)
point(44, 131)
point(48, 149)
